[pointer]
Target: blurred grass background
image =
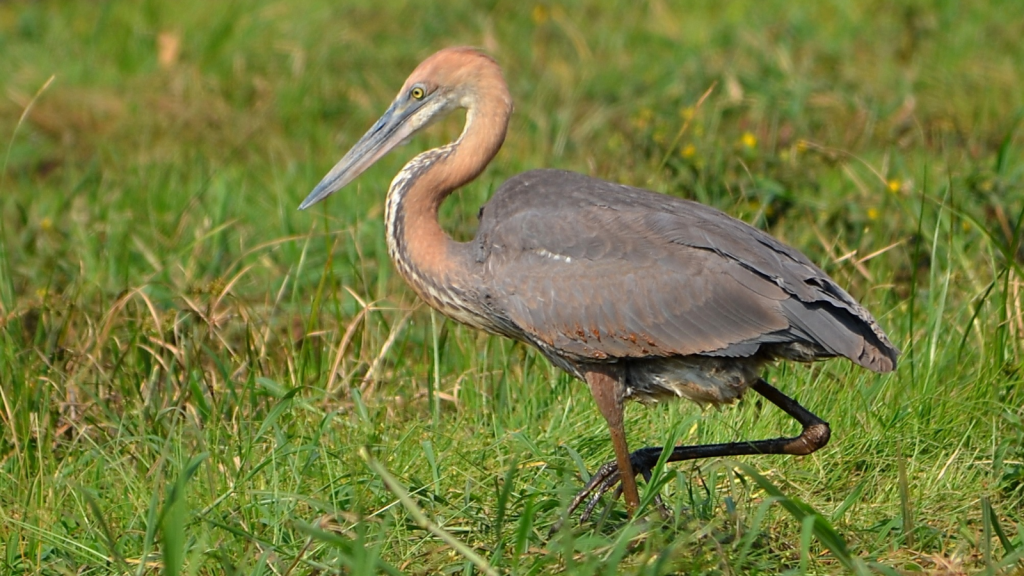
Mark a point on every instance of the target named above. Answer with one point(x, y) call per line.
point(189, 366)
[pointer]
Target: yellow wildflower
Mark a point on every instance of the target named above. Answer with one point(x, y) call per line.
point(872, 213)
point(643, 118)
point(749, 140)
point(894, 185)
point(46, 224)
point(688, 151)
point(539, 14)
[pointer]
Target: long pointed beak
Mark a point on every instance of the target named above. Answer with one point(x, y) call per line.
point(393, 128)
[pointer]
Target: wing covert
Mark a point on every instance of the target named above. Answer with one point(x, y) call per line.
point(599, 285)
point(595, 270)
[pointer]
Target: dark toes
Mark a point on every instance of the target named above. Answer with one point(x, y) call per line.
point(607, 476)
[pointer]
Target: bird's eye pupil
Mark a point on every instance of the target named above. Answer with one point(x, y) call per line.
point(417, 93)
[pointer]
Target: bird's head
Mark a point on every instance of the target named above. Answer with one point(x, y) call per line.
point(449, 79)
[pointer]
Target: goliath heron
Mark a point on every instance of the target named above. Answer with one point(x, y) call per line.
point(640, 295)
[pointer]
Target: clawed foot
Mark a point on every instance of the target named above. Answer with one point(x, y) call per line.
point(815, 434)
point(607, 477)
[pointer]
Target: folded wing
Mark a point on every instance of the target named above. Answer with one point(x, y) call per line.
point(594, 271)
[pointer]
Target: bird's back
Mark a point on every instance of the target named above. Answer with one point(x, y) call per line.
point(591, 271)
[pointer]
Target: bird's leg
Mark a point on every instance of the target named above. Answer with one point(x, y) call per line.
point(815, 435)
point(609, 392)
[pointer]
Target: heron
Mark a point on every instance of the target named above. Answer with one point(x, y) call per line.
point(641, 295)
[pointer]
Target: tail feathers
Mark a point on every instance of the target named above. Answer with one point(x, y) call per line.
point(840, 333)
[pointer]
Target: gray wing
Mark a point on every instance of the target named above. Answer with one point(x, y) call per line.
point(592, 270)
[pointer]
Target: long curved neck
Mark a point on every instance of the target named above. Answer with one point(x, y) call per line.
point(430, 260)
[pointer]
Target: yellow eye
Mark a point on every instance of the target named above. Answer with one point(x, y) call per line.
point(417, 93)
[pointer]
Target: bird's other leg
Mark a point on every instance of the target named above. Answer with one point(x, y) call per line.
point(815, 435)
point(609, 390)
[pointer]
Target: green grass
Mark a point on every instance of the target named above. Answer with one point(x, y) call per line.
point(199, 379)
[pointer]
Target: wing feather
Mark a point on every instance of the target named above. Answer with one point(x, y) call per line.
point(595, 270)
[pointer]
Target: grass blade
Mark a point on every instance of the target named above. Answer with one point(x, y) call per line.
point(417, 514)
point(819, 526)
point(175, 518)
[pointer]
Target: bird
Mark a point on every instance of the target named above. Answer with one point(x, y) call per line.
point(641, 295)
